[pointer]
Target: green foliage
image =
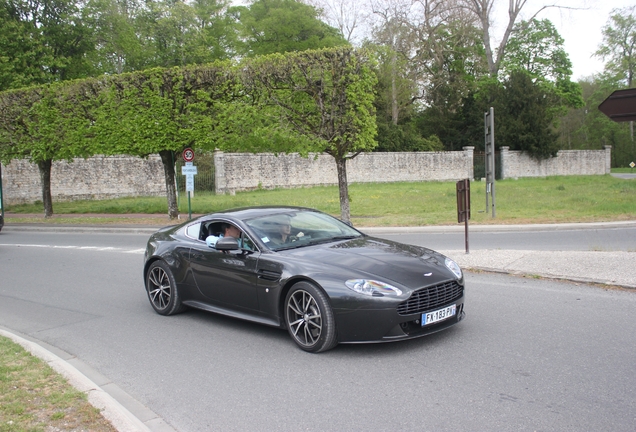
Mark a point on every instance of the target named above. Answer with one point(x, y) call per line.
point(405, 137)
point(589, 128)
point(143, 113)
point(425, 71)
point(300, 102)
point(524, 119)
point(42, 43)
point(280, 26)
point(619, 45)
point(21, 52)
point(44, 123)
point(118, 48)
point(326, 95)
point(537, 48)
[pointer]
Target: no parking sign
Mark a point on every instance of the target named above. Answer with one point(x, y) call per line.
point(188, 155)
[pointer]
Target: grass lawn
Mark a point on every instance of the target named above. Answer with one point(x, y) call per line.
point(33, 397)
point(528, 200)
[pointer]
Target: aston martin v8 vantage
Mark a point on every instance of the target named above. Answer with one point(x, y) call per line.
point(303, 270)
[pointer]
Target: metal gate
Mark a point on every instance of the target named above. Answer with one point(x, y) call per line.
point(479, 165)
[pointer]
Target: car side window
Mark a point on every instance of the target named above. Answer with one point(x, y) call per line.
point(194, 231)
point(247, 243)
point(211, 231)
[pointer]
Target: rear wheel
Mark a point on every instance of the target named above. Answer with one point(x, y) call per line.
point(309, 318)
point(162, 289)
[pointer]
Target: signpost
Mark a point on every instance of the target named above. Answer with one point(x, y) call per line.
point(463, 206)
point(620, 106)
point(489, 127)
point(189, 171)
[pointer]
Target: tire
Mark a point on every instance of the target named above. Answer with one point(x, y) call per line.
point(162, 289)
point(309, 318)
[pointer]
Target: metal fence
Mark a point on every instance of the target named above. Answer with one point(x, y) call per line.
point(204, 179)
point(479, 165)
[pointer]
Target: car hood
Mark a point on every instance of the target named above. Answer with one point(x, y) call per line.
point(409, 266)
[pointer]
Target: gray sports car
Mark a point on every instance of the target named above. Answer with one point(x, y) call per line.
point(303, 270)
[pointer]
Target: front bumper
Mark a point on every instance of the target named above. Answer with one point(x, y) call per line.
point(386, 325)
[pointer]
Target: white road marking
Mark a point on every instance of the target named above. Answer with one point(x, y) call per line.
point(87, 248)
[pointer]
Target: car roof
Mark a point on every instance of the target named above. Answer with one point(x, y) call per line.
point(246, 213)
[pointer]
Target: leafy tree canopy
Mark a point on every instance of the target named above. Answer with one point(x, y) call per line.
point(619, 44)
point(537, 48)
point(42, 42)
point(279, 26)
point(524, 118)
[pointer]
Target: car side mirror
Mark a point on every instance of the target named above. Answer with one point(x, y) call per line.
point(227, 244)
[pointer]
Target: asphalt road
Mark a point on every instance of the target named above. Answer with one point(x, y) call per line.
point(531, 355)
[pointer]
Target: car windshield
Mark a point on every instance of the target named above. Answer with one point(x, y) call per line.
point(295, 229)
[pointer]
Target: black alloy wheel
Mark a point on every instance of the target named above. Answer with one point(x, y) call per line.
point(309, 318)
point(162, 289)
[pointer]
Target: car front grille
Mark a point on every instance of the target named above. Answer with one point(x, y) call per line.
point(431, 298)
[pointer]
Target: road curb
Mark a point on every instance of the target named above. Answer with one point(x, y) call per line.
point(479, 269)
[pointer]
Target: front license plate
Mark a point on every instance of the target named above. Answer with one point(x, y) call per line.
point(439, 315)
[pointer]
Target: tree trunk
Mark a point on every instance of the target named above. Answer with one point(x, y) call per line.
point(394, 102)
point(167, 159)
point(45, 180)
point(343, 186)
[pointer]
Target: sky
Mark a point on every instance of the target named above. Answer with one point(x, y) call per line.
point(581, 29)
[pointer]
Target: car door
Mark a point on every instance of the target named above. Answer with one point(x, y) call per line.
point(227, 279)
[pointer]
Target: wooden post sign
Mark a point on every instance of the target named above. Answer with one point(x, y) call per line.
point(463, 205)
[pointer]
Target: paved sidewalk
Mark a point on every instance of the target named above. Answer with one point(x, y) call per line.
point(610, 268)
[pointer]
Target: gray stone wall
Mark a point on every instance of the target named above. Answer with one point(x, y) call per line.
point(118, 176)
point(246, 171)
point(97, 177)
point(516, 164)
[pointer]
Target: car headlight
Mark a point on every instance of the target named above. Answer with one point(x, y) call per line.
point(452, 266)
point(372, 287)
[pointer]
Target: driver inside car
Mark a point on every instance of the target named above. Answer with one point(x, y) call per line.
point(229, 230)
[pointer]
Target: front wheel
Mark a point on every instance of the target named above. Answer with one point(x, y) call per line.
point(162, 289)
point(309, 318)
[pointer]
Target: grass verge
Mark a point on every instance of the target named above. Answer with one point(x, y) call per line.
point(529, 200)
point(33, 397)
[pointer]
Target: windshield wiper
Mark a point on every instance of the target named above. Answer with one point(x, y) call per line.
point(292, 246)
point(333, 239)
point(317, 241)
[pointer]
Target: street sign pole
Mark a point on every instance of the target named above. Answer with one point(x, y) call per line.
point(489, 132)
point(189, 171)
point(189, 207)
